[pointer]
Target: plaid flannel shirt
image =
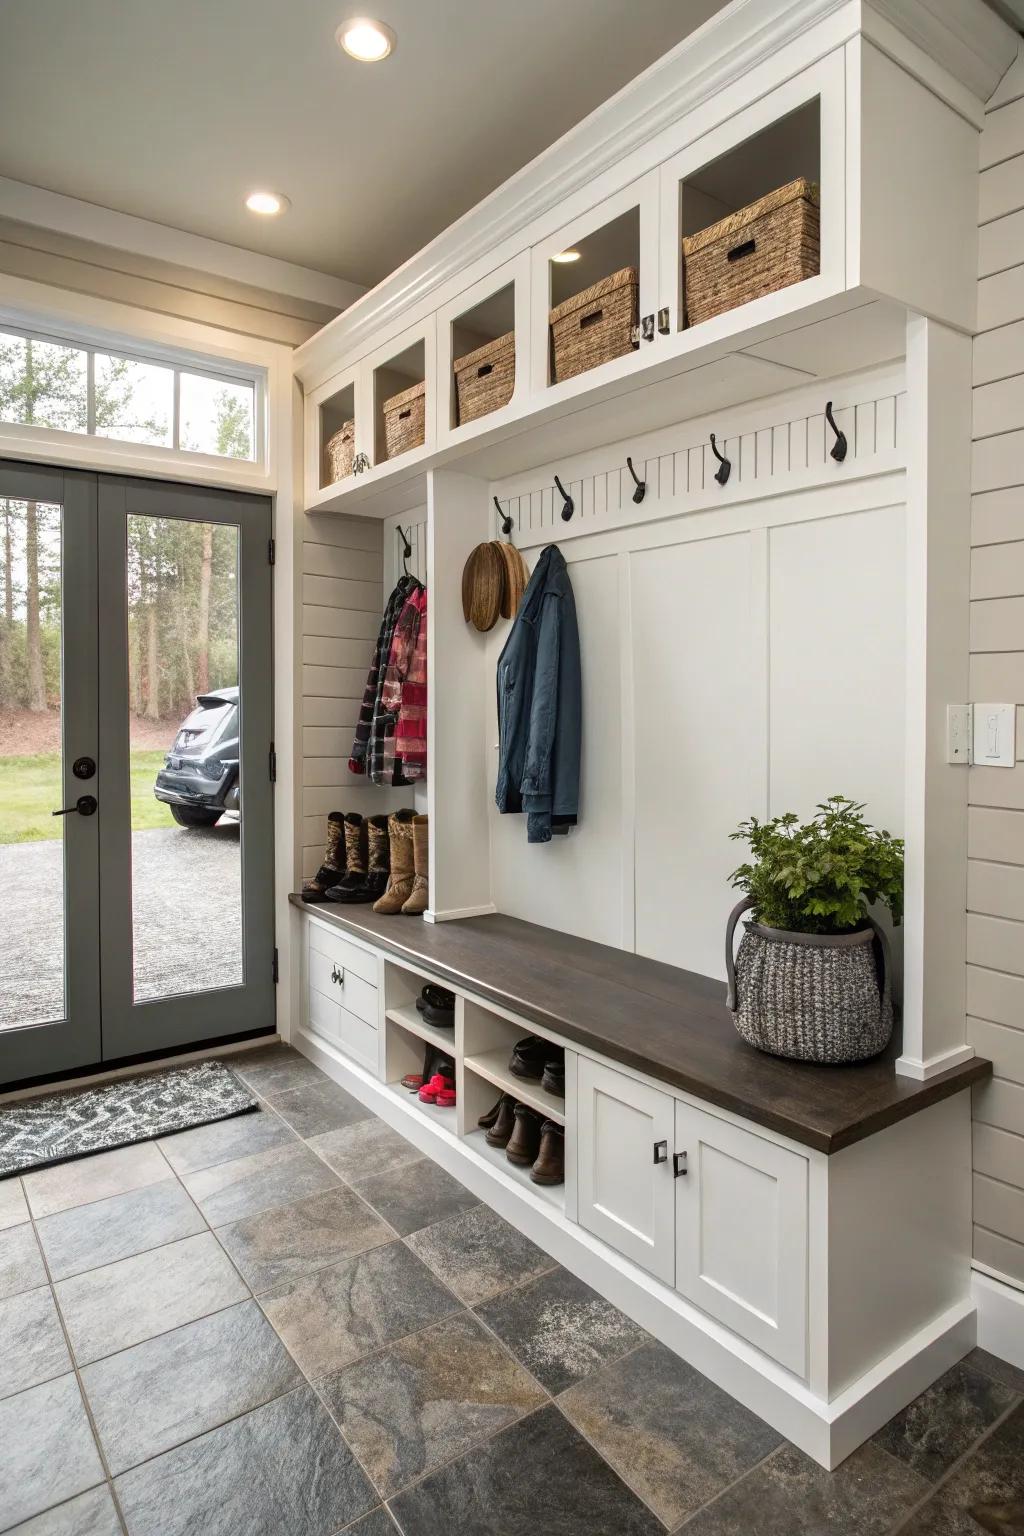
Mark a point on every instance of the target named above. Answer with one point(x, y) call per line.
point(384, 764)
point(411, 730)
point(358, 761)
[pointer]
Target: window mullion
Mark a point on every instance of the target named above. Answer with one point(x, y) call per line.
point(90, 392)
point(176, 435)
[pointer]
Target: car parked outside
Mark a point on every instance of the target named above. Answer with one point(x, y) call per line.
point(199, 779)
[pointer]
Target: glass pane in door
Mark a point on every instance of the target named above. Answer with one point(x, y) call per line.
point(32, 877)
point(184, 709)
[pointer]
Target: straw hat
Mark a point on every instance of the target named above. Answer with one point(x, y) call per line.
point(516, 579)
point(483, 584)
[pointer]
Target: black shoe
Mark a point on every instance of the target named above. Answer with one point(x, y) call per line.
point(437, 1005)
point(529, 1056)
point(554, 1076)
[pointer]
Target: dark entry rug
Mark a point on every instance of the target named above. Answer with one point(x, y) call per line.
point(35, 1133)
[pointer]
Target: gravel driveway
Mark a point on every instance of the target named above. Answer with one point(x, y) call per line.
point(188, 931)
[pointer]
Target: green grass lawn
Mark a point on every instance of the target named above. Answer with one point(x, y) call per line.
point(30, 789)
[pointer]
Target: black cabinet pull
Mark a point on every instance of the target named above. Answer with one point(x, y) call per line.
point(661, 1151)
point(337, 976)
point(679, 1165)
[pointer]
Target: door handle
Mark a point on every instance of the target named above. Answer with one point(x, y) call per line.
point(85, 805)
point(679, 1165)
point(661, 1151)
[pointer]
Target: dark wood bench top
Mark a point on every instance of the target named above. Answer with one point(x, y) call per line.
point(671, 1024)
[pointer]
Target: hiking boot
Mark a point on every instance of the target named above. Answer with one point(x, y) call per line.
point(419, 898)
point(549, 1167)
point(402, 873)
point(333, 867)
point(504, 1122)
point(355, 858)
point(524, 1143)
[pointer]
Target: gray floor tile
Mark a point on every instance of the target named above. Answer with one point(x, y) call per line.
point(122, 1304)
point(416, 1195)
point(560, 1329)
point(224, 1141)
point(90, 1514)
point(294, 1240)
point(338, 1315)
point(675, 1437)
point(986, 1493)
point(940, 1425)
point(276, 1069)
point(21, 1263)
point(231, 1191)
point(13, 1209)
point(156, 1395)
point(88, 1236)
point(32, 1344)
point(479, 1254)
point(282, 1468)
point(999, 1370)
point(317, 1107)
point(48, 1449)
point(427, 1399)
point(790, 1495)
point(364, 1150)
point(378, 1523)
point(537, 1477)
point(94, 1178)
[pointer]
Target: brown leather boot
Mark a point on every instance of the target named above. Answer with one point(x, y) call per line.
point(375, 877)
point(504, 1123)
point(355, 858)
point(549, 1167)
point(524, 1143)
point(420, 898)
point(402, 871)
point(333, 867)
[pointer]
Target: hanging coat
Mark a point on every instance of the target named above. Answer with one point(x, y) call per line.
point(411, 730)
point(385, 764)
point(539, 705)
point(382, 650)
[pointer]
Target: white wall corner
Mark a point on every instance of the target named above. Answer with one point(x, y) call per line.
point(1000, 1317)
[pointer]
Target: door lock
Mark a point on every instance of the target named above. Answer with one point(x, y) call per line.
point(83, 767)
point(85, 805)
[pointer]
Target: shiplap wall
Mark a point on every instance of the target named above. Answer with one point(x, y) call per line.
point(995, 881)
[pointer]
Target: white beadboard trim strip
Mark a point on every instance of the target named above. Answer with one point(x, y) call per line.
point(1000, 1316)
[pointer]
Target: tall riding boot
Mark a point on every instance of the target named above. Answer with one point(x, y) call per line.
point(333, 867)
point(420, 898)
point(355, 858)
point(402, 872)
point(378, 864)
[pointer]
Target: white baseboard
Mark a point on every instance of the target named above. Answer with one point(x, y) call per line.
point(451, 913)
point(922, 1070)
point(1000, 1317)
point(827, 1432)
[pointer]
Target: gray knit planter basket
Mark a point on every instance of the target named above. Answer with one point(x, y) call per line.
point(812, 997)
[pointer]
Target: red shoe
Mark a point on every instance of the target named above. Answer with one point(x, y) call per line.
point(445, 1094)
point(437, 1085)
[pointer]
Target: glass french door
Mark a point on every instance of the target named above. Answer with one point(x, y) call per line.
point(136, 815)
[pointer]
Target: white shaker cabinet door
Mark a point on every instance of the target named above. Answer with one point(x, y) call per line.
point(741, 1232)
point(624, 1166)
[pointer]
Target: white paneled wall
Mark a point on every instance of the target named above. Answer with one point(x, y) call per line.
point(995, 882)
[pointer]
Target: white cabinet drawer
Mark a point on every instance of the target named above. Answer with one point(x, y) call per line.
point(330, 976)
point(741, 1233)
point(350, 957)
point(624, 1166)
point(350, 1034)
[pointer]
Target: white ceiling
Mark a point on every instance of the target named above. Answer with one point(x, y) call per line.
point(172, 110)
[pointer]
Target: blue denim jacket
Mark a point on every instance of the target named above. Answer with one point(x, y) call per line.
point(539, 706)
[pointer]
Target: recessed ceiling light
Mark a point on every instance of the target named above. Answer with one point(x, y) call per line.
point(267, 203)
point(365, 40)
point(566, 256)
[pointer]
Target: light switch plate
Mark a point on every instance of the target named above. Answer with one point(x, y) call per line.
point(958, 733)
point(995, 735)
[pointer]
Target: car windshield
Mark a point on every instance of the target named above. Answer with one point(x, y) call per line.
point(203, 722)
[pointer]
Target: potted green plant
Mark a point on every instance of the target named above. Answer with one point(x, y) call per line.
point(812, 978)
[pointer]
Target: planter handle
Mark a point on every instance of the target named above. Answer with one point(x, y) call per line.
point(883, 942)
point(731, 1000)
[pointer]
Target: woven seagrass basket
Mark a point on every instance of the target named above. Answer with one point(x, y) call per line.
point(405, 420)
point(485, 379)
point(807, 996)
point(768, 245)
point(340, 451)
point(594, 326)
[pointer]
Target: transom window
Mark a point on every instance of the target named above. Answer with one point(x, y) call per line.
point(72, 386)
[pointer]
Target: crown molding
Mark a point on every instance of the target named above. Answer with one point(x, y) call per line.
point(966, 39)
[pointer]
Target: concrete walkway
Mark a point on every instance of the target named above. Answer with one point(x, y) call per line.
point(187, 928)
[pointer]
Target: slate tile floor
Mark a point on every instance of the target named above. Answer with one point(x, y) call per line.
point(291, 1324)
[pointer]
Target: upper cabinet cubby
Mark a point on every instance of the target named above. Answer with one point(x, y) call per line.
point(399, 403)
point(483, 351)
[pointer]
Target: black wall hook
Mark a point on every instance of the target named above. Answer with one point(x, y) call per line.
point(839, 448)
point(641, 485)
point(568, 505)
point(406, 548)
point(724, 469)
point(506, 519)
